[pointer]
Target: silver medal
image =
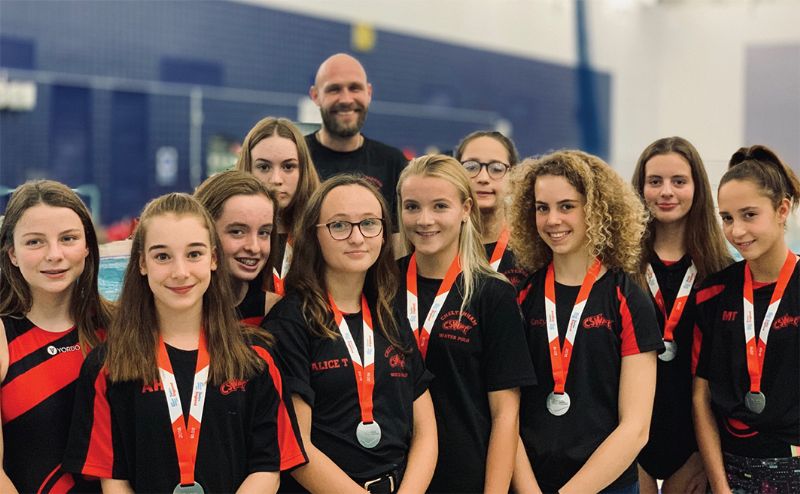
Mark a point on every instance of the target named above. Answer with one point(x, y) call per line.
point(558, 403)
point(755, 402)
point(368, 435)
point(670, 350)
point(188, 489)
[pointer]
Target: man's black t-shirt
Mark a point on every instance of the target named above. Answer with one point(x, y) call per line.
point(672, 438)
point(471, 353)
point(775, 432)
point(123, 430)
point(618, 320)
point(320, 372)
point(379, 162)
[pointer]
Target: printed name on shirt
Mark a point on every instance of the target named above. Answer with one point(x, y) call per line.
point(597, 321)
point(540, 322)
point(152, 388)
point(334, 363)
point(785, 321)
point(397, 362)
point(232, 385)
point(53, 350)
point(456, 325)
point(729, 315)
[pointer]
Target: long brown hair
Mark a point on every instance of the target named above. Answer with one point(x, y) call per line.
point(215, 191)
point(306, 277)
point(309, 178)
point(615, 217)
point(705, 243)
point(133, 337)
point(760, 165)
point(88, 309)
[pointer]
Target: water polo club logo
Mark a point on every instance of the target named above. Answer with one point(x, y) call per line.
point(597, 321)
point(397, 360)
point(54, 350)
point(785, 321)
point(458, 322)
point(233, 385)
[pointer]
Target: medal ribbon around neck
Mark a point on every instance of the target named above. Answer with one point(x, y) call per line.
point(756, 350)
point(561, 357)
point(412, 307)
point(365, 372)
point(671, 321)
point(499, 249)
point(186, 433)
point(277, 278)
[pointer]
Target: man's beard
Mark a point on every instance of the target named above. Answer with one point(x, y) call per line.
point(333, 126)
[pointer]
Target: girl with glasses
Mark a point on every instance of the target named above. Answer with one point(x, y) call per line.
point(747, 385)
point(683, 245)
point(275, 152)
point(592, 332)
point(179, 398)
point(467, 326)
point(357, 380)
point(487, 157)
point(51, 316)
point(244, 211)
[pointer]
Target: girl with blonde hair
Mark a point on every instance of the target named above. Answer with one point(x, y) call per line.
point(467, 326)
point(592, 332)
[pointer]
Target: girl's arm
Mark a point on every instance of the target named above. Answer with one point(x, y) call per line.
point(320, 474)
point(524, 480)
point(424, 448)
point(5, 482)
point(500, 459)
point(637, 387)
point(260, 483)
point(114, 486)
point(705, 428)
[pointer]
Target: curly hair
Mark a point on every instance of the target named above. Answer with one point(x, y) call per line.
point(615, 217)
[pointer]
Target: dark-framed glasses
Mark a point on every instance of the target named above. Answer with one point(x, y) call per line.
point(495, 169)
point(341, 229)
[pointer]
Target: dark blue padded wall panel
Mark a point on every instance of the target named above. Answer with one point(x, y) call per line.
point(232, 45)
point(128, 158)
point(17, 53)
point(70, 135)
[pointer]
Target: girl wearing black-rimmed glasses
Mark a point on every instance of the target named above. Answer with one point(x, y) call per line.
point(357, 380)
point(488, 157)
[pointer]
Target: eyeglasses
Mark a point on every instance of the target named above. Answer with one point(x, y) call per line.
point(341, 230)
point(495, 169)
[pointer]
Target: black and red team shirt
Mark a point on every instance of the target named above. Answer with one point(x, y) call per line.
point(672, 438)
point(123, 431)
point(618, 321)
point(508, 265)
point(320, 372)
point(471, 353)
point(775, 432)
point(250, 310)
point(37, 396)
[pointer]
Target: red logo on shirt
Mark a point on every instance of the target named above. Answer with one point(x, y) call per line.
point(457, 322)
point(397, 362)
point(537, 323)
point(729, 315)
point(232, 385)
point(785, 321)
point(597, 321)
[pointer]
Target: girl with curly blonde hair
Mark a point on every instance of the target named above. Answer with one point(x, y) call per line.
point(592, 332)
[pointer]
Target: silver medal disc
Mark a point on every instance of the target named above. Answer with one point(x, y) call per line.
point(670, 350)
point(755, 402)
point(558, 403)
point(368, 435)
point(188, 489)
